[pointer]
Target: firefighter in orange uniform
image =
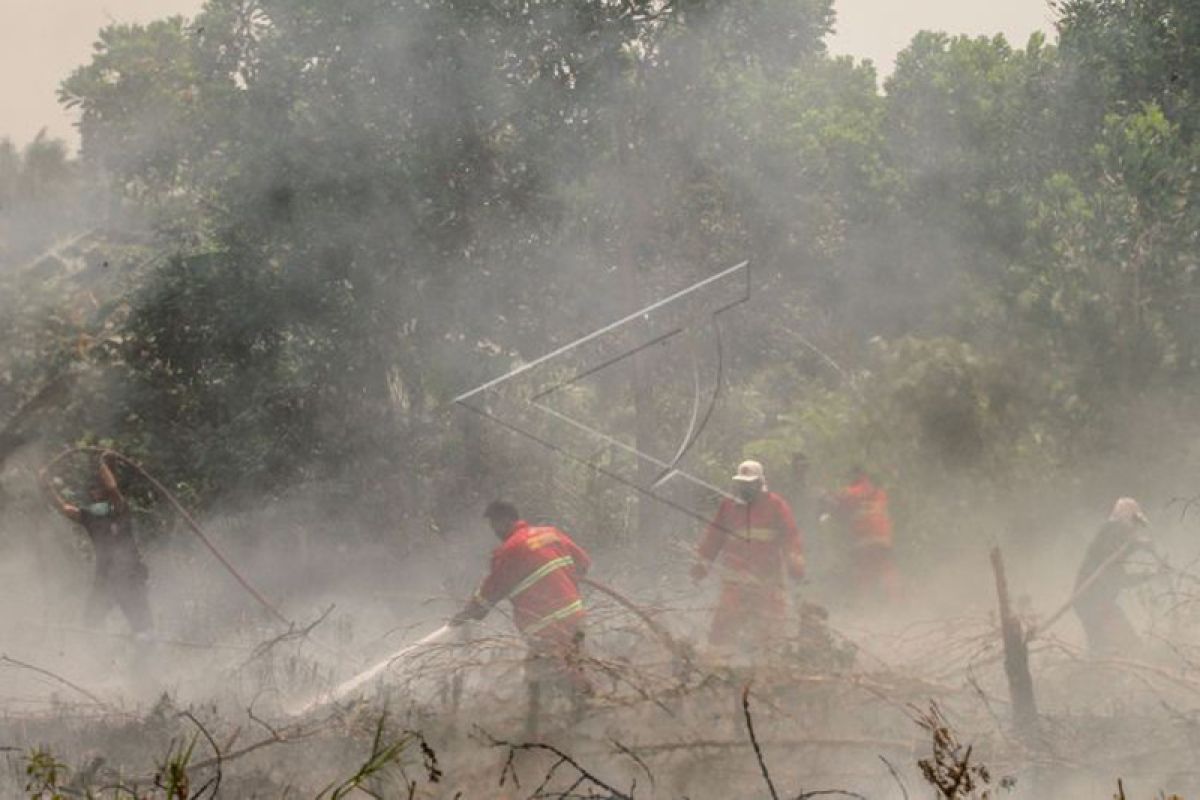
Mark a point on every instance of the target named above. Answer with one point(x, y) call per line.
point(862, 509)
point(757, 539)
point(536, 568)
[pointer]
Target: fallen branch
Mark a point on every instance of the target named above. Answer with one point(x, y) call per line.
point(762, 764)
point(291, 633)
point(285, 736)
point(215, 781)
point(676, 648)
point(584, 775)
point(738, 744)
point(59, 678)
point(635, 758)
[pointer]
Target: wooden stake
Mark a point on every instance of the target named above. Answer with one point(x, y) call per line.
point(1016, 658)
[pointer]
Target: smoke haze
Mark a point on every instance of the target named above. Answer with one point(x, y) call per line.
point(298, 233)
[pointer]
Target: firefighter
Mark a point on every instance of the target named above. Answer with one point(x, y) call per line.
point(757, 539)
point(120, 575)
point(861, 508)
point(536, 568)
point(1103, 576)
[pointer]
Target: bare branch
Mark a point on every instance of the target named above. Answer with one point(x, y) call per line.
point(762, 764)
point(59, 678)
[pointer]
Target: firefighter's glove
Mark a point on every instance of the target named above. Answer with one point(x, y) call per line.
point(471, 612)
point(699, 571)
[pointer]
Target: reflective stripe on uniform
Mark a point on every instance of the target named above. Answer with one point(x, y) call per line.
point(539, 573)
point(747, 580)
point(554, 616)
point(541, 538)
point(757, 534)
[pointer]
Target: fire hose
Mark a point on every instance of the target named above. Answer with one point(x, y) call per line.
point(187, 518)
point(676, 648)
point(1087, 583)
point(355, 683)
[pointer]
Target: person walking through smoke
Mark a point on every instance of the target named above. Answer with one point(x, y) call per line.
point(536, 568)
point(1103, 576)
point(757, 539)
point(120, 575)
point(861, 509)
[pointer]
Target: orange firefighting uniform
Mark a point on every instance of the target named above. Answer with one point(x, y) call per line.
point(535, 568)
point(863, 508)
point(757, 542)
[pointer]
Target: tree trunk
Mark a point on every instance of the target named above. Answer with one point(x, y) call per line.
point(1016, 659)
point(634, 216)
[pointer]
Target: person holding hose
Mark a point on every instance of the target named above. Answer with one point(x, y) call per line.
point(537, 569)
point(120, 574)
point(1103, 576)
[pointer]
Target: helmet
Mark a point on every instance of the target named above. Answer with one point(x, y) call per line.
point(1128, 510)
point(750, 471)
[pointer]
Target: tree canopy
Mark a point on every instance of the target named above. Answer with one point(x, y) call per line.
point(328, 219)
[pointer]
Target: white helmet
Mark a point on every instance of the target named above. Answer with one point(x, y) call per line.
point(1129, 511)
point(750, 471)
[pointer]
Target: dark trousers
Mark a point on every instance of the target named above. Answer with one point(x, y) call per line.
point(1109, 631)
point(127, 590)
point(554, 667)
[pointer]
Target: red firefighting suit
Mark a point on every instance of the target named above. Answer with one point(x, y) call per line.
point(535, 568)
point(863, 508)
point(757, 542)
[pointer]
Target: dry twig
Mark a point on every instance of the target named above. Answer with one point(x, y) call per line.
point(59, 678)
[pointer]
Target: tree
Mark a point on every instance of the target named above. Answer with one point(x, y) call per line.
point(1122, 54)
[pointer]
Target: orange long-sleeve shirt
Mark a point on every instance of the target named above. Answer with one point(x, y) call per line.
point(756, 541)
point(864, 507)
point(536, 568)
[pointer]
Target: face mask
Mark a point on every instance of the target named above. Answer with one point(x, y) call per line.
point(98, 509)
point(748, 491)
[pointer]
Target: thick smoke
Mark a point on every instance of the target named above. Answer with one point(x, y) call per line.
point(296, 233)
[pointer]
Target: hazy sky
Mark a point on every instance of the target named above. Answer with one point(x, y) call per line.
point(879, 29)
point(42, 40)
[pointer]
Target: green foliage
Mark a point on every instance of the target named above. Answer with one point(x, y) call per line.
point(387, 752)
point(44, 776)
point(338, 183)
point(172, 778)
point(358, 210)
point(1121, 55)
point(937, 422)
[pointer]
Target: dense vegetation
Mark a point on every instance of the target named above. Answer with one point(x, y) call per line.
point(321, 221)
